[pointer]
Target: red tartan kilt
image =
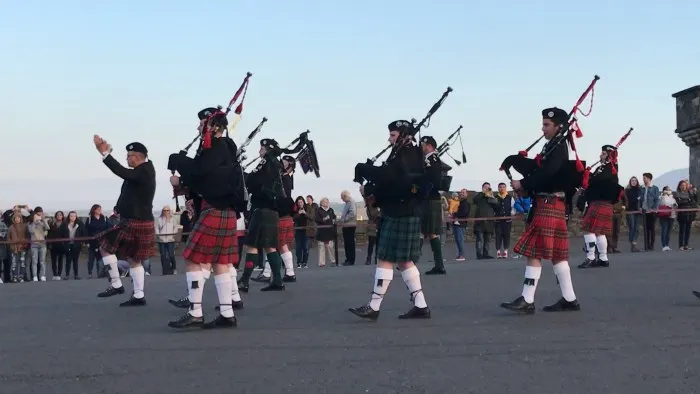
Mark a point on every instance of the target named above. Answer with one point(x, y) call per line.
point(286, 232)
point(131, 239)
point(546, 237)
point(598, 218)
point(214, 238)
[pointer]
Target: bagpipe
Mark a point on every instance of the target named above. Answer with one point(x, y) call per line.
point(177, 162)
point(445, 179)
point(612, 191)
point(306, 154)
point(362, 169)
point(565, 134)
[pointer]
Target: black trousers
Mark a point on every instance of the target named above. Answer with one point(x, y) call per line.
point(649, 230)
point(502, 228)
point(349, 244)
point(72, 259)
point(57, 256)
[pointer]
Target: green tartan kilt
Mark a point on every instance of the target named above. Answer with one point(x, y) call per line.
point(431, 217)
point(263, 231)
point(399, 241)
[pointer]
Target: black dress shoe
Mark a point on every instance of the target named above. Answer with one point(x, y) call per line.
point(261, 279)
point(187, 321)
point(563, 306)
point(436, 271)
point(273, 287)
point(416, 313)
point(236, 306)
point(134, 302)
point(289, 278)
point(366, 312)
point(519, 305)
point(603, 263)
point(221, 322)
point(696, 293)
point(589, 264)
point(111, 291)
point(181, 303)
point(244, 287)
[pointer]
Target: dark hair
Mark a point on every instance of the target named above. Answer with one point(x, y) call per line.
point(648, 175)
point(55, 215)
point(92, 210)
point(299, 198)
point(484, 184)
point(310, 196)
point(678, 188)
point(502, 183)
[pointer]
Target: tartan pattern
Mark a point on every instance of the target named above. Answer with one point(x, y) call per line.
point(598, 218)
point(431, 217)
point(400, 239)
point(285, 228)
point(263, 230)
point(546, 236)
point(131, 239)
point(213, 238)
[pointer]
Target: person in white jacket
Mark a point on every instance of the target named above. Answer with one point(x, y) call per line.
point(165, 235)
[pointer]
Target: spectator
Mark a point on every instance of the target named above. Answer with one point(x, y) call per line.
point(57, 249)
point(633, 195)
point(373, 218)
point(38, 227)
point(521, 206)
point(618, 211)
point(348, 219)
point(186, 223)
point(18, 236)
point(666, 214)
point(445, 218)
point(311, 208)
point(4, 250)
point(324, 236)
point(95, 224)
point(165, 232)
point(70, 230)
point(503, 226)
point(460, 222)
point(650, 204)
point(485, 204)
point(301, 222)
point(685, 200)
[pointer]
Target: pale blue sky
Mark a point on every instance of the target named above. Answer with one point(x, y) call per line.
point(140, 70)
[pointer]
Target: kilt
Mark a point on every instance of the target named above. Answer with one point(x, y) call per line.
point(285, 228)
point(131, 239)
point(431, 217)
point(263, 230)
point(214, 238)
point(546, 236)
point(400, 239)
point(598, 218)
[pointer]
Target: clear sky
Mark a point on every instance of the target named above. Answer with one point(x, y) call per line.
point(141, 70)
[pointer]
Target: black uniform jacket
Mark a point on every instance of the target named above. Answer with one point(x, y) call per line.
point(552, 176)
point(603, 185)
point(139, 187)
point(286, 206)
point(432, 176)
point(394, 184)
point(265, 183)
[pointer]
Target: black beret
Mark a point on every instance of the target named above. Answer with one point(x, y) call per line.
point(137, 147)
point(428, 140)
point(609, 148)
point(557, 115)
point(219, 118)
point(289, 158)
point(269, 143)
point(400, 126)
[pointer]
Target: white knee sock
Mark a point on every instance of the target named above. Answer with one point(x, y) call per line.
point(223, 289)
point(589, 239)
point(411, 277)
point(602, 243)
point(288, 260)
point(235, 294)
point(195, 289)
point(532, 277)
point(110, 262)
point(563, 273)
point(206, 273)
point(138, 275)
point(382, 280)
point(267, 271)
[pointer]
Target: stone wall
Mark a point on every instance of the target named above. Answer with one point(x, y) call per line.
point(688, 127)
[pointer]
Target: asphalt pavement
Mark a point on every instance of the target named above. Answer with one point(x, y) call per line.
point(636, 333)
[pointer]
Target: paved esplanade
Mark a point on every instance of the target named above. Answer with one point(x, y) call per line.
point(637, 333)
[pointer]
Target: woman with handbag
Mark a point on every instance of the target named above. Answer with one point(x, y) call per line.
point(666, 214)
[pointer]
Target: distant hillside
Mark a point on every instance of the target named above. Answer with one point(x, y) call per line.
point(671, 178)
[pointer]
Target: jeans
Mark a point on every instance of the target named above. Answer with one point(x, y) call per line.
point(147, 266)
point(57, 255)
point(94, 256)
point(167, 257)
point(633, 222)
point(459, 239)
point(301, 246)
point(685, 220)
point(666, 225)
point(38, 261)
point(482, 241)
point(17, 266)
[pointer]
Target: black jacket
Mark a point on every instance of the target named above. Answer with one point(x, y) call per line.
point(265, 183)
point(139, 187)
point(395, 184)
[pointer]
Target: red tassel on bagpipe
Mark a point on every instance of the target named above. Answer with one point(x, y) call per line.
point(586, 177)
point(538, 160)
point(206, 143)
point(523, 153)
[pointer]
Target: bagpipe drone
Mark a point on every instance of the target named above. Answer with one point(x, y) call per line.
point(445, 179)
point(306, 154)
point(181, 163)
point(362, 170)
point(566, 133)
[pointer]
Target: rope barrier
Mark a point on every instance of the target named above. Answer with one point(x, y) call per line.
point(240, 233)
